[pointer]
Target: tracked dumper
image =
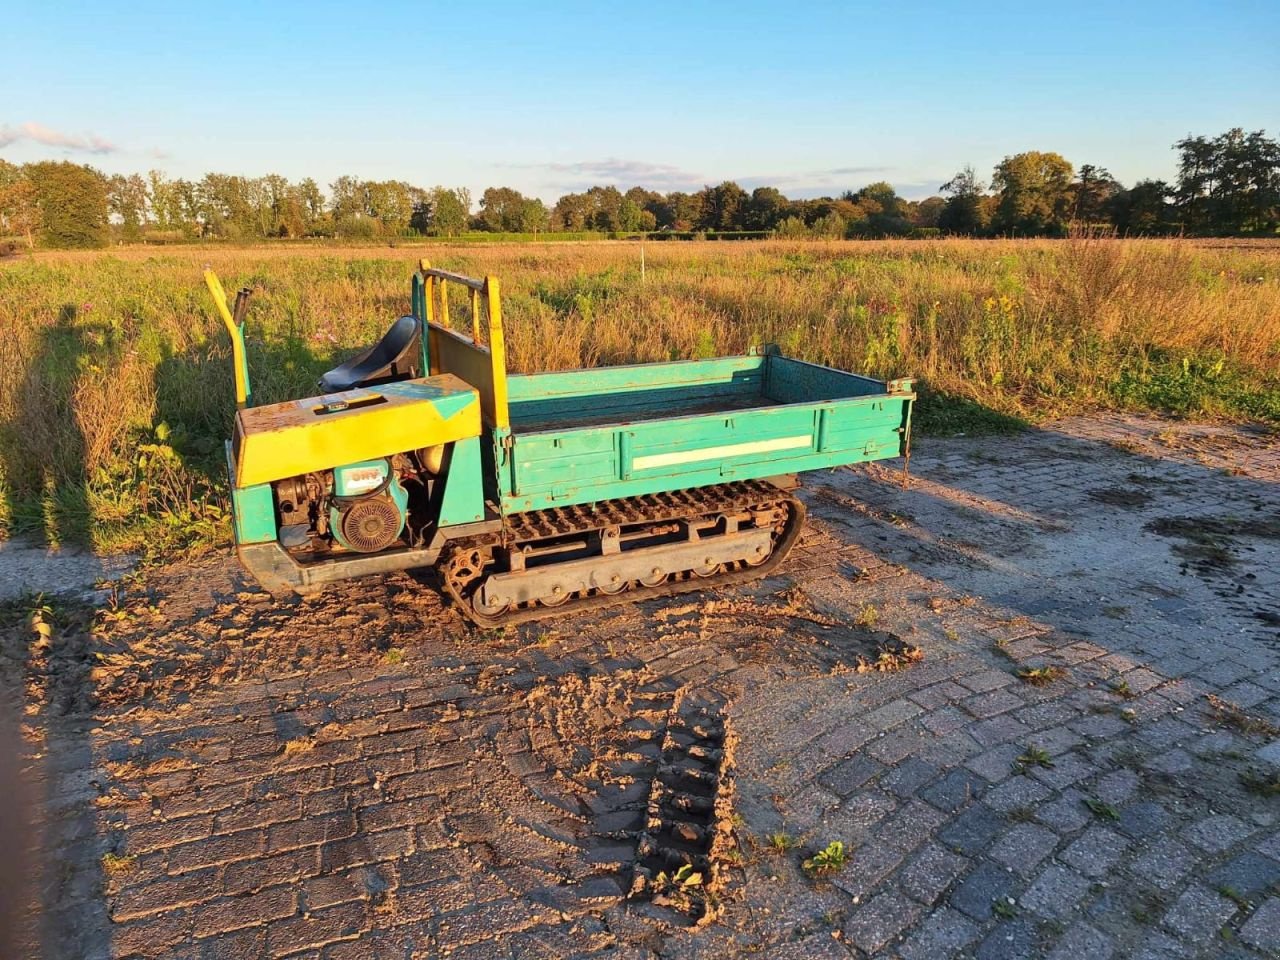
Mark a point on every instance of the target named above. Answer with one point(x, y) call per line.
point(545, 493)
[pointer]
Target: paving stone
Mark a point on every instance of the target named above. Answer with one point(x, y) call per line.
point(1247, 875)
point(991, 704)
point(1117, 787)
point(976, 892)
point(986, 680)
point(995, 764)
point(1262, 930)
point(942, 934)
point(1001, 729)
point(1174, 762)
point(1011, 940)
point(1023, 846)
point(1056, 892)
point(880, 920)
point(849, 775)
point(973, 830)
point(1165, 863)
point(1154, 945)
point(1066, 814)
point(1095, 852)
point(946, 720)
point(1016, 792)
point(1199, 914)
point(931, 871)
point(1270, 753)
point(955, 790)
point(908, 777)
point(1144, 819)
point(1083, 942)
point(1217, 833)
point(1067, 769)
point(874, 863)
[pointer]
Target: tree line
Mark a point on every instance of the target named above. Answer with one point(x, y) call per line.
point(1226, 185)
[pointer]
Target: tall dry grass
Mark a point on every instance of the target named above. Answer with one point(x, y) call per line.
point(115, 386)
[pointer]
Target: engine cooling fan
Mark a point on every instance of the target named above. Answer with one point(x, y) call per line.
point(371, 524)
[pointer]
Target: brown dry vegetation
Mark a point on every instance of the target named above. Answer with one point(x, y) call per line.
point(115, 386)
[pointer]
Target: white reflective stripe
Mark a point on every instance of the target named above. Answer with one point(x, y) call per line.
point(714, 453)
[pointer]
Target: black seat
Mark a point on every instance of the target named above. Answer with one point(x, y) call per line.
point(397, 356)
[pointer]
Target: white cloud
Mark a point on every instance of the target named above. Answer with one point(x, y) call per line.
point(39, 133)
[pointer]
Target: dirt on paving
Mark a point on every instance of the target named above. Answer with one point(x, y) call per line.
point(992, 688)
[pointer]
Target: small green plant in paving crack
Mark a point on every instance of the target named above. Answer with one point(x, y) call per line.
point(683, 879)
point(780, 843)
point(868, 616)
point(1263, 784)
point(1041, 676)
point(1235, 896)
point(113, 864)
point(831, 859)
point(1033, 757)
point(1101, 809)
point(1121, 688)
point(1003, 908)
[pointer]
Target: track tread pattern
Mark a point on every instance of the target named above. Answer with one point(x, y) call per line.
point(461, 576)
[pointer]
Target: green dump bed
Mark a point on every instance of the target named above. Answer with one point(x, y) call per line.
point(585, 435)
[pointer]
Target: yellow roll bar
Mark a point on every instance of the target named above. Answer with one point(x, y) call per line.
point(484, 367)
point(239, 360)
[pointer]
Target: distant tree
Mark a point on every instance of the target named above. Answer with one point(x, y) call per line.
point(571, 212)
point(1091, 194)
point(927, 212)
point(724, 207)
point(630, 215)
point(1034, 190)
point(830, 226)
point(1230, 183)
point(791, 228)
point(766, 208)
point(19, 213)
point(127, 200)
point(500, 210)
point(346, 200)
point(685, 209)
point(964, 212)
point(389, 203)
point(1142, 209)
point(72, 203)
point(449, 211)
point(311, 200)
point(532, 217)
point(605, 205)
point(881, 212)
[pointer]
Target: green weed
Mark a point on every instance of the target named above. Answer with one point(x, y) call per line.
point(1033, 757)
point(831, 859)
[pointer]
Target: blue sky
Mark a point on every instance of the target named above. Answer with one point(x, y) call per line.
point(811, 97)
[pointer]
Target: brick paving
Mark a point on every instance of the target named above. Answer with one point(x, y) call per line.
point(479, 796)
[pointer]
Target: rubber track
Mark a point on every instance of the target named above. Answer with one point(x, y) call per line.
point(658, 508)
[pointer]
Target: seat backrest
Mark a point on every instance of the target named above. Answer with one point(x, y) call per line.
point(396, 356)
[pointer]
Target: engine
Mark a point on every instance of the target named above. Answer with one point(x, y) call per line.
point(369, 506)
point(363, 507)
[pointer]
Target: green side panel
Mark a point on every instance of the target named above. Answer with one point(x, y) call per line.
point(541, 399)
point(463, 500)
point(794, 381)
point(558, 468)
point(253, 509)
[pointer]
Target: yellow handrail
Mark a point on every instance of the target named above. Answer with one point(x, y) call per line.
point(239, 360)
point(435, 283)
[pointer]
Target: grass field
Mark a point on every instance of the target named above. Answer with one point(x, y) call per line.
point(115, 384)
